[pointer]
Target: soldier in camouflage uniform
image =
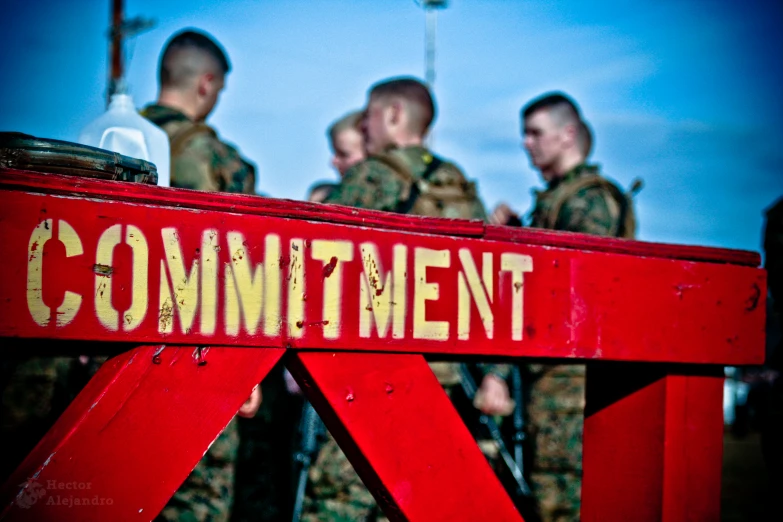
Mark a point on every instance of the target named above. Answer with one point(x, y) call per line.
point(399, 175)
point(577, 199)
point(192, 74)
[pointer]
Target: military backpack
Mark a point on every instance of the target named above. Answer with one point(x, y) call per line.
point(440, 190)
point(621, 203)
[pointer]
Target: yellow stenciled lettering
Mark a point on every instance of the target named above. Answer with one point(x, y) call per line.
point(296, 288)
point(181, 294)
point(425, 291)
point(332, 254)
point(247, 289)
point(480, 288)
point(72, 301)
point(382, 297)
point(209, 273)
point(139, 297)
point(35, 304)
point(517, 264)
point(107, 314)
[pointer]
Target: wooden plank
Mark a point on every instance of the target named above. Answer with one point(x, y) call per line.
point(132, 435)
point(238, 203)
point(402, 434)
point(89, 269)
point(65, 185)
point(652, 444)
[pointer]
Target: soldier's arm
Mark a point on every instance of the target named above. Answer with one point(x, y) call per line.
point(194, 167)
point(371, 185)
point(249, 182)
point(588, 212)
point(234, 173)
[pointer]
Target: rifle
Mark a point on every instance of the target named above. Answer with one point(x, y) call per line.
point(311, 429)
point(470, 389)
point(518, 437)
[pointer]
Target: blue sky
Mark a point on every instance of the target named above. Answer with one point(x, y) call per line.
point(683, 94)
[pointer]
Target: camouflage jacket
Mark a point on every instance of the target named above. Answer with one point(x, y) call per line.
point(591, 210)
point(199, 159)
point(392, 181)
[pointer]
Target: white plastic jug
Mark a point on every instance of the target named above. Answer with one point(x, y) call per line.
point(121, 129)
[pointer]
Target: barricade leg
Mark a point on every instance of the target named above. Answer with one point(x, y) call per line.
point(400, 431)
point(133, 434)
point(653, 443)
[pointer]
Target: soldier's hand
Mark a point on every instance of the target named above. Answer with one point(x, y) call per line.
point(495, 399)
point(503, 215)
point(251, 405)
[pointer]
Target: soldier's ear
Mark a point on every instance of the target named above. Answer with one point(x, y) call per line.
point(396, 112)
point(569, 134)
point(204, 84)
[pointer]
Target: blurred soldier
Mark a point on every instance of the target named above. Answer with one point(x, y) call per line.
point(503, 215)
point(192, 74)
point(347, 145)
point(399, 175)
point(346, 142)
point(319, 191)
point(576, 199)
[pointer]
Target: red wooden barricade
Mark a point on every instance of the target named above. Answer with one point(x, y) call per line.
point(213, 289)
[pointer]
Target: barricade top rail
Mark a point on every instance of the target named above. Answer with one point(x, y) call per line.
point(115, 261)
point(11, 179)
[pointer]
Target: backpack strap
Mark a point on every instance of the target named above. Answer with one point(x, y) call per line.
point(181, 138)
point(417, 185)
point(589, 182)
point(422, 184)
point(433, 165)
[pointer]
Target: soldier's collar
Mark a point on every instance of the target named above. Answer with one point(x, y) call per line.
point(392, 147)
point(579, 170)
point(161, 114)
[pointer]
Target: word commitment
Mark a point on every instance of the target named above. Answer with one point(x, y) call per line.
point(384, 290)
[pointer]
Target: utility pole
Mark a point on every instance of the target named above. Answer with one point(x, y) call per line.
point(431, 25)
point(431, 13)
point(119, 31)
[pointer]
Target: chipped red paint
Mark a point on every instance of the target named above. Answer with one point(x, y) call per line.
point(574, 303)
point(334, 283)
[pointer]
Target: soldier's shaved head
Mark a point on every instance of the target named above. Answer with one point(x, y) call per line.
point(561, 108)
point(416, 97)
point(554, 134)
point(189, 54)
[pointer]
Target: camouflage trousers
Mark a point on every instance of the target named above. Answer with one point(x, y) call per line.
point(555, 415)
point(207, 494)
point(335, 491)
point(36, 392)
